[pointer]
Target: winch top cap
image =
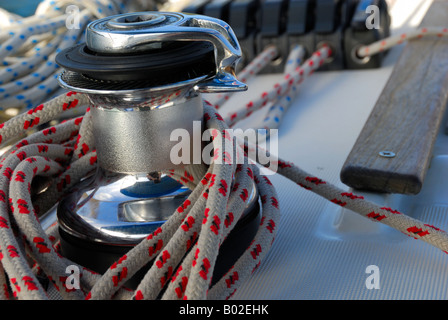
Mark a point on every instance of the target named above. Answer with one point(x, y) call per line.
point(136, 20)
point(134, 32)
point(163, 47)
point(172, 62)
point(129, 33)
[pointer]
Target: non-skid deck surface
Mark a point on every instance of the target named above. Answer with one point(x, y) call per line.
point(323, 251)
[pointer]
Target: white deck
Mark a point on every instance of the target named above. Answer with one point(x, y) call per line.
point(322, 251)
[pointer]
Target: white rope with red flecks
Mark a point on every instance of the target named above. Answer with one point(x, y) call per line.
point(283, 87)
point(183, 251)
point(386, 44)
point(66, 153)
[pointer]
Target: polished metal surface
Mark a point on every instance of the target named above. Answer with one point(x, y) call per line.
point(125, 34)
point(133, 123)
point(119, 212)
point(143, 31)
point(138, 140)
point(133, 120)
point(124, 210)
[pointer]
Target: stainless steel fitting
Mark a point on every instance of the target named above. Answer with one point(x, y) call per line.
point(133, 120)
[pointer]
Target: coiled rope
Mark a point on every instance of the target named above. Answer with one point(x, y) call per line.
point(190, 237)
point(183, 251)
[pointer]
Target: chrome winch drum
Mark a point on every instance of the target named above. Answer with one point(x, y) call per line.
point(144, 74)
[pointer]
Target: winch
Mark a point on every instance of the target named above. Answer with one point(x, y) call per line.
point(144, 74)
